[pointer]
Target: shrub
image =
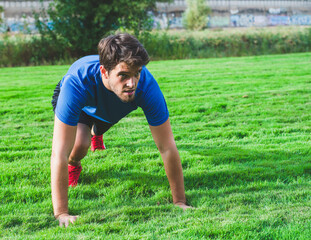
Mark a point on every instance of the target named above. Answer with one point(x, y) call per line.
point(195, 16)
point(23, 51)
point(36, 50)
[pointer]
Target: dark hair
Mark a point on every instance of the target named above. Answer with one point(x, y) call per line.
point(121, 48)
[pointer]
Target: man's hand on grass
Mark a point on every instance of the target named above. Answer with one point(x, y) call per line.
point(183, 206)
point(65, 219)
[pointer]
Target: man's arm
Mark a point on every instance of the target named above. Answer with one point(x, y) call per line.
point(63, 141)
point(164, 139)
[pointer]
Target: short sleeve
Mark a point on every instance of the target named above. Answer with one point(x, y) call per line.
point(153, 102)
point(71, 100)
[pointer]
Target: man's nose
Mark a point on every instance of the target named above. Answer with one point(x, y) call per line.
point(131, 82)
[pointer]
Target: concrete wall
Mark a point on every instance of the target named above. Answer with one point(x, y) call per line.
point(233, 13)
point(236, 20)
point(16, 9)
point(18, 14)
point(181, 5)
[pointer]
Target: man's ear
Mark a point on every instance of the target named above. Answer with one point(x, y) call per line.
point(103, 71)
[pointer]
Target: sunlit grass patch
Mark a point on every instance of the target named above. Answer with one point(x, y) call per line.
point(242, 127)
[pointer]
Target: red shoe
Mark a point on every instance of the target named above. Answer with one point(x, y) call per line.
point(74, 173)
point(97, 143)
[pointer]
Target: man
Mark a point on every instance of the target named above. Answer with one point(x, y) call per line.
point(95, 94)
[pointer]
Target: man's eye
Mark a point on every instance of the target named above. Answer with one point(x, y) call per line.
point(123, 76)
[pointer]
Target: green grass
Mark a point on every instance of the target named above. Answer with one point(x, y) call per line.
point(242, 126)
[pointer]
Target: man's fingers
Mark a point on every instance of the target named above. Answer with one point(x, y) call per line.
point(183, 206)
point(66, 220)
point(187, 207)
point(73, 219)
point(62, 223)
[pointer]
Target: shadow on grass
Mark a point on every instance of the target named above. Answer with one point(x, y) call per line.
point(218, 168)
point(229, 166)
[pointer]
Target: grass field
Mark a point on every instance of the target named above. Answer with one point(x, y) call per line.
point(242, 126)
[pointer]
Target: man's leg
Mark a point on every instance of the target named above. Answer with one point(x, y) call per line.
point(98, 129)
point(82, 141)
point(82, 144)
point(79, 151)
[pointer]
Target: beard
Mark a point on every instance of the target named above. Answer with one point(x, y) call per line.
point(125, 96)
point(126, 99)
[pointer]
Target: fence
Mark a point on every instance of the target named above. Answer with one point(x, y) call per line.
point(229, 4)
point(225, 13)
point(239, 13)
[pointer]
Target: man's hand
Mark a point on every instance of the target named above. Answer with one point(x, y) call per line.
point(65, 219)
point(183, 206)
point(164, 139)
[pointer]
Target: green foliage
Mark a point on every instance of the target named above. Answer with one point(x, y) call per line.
point(210, 44)
point(21, 50)
point(242, 127)
point(195, 16)
point(1, 11)
point(81, 24)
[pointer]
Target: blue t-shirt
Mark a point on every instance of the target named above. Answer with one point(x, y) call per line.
point(82, 89)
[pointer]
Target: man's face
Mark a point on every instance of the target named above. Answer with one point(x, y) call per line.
point(122, 80)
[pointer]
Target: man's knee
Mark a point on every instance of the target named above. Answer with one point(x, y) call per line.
point(79, 151)
point(82, 143)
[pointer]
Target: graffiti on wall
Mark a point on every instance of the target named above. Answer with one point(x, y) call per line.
point(175, 22)
point(278, 20)
point(246, 20)
point(260, 21)
point(25, 25)
point(162, 21)
point(272, 20)
point(241, 20)
point(301, 20)
point(237, 21)
point(219, 21)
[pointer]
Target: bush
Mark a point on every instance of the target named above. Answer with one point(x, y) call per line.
point(164, 46)
point(195, 17)
point(22, 51)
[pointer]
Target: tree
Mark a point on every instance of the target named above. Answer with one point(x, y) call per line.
point(81, 24)
point(1, 11)
point(195, 17)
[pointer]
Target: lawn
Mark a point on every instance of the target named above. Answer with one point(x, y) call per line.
point(242, 127)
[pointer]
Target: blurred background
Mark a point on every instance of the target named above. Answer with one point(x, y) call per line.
point(17, 15)
point(60, 31)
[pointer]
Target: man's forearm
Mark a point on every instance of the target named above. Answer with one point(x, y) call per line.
point(173, 169)
point(59, 185)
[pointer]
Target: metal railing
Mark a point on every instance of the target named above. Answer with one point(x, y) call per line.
point(182, 4)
